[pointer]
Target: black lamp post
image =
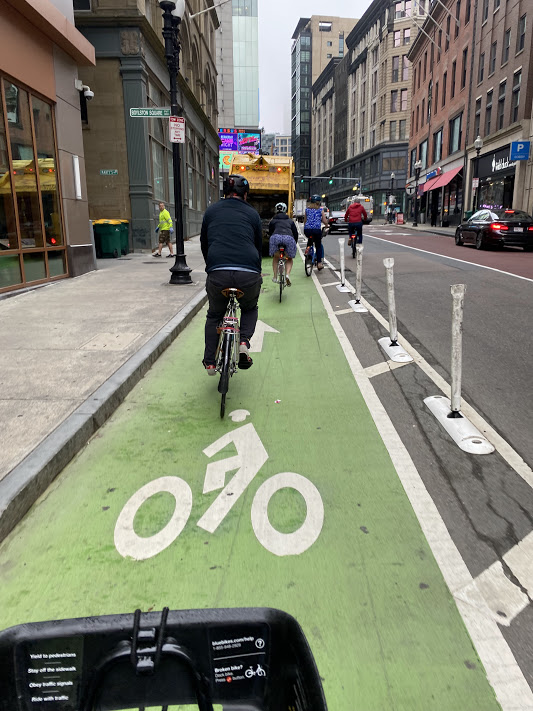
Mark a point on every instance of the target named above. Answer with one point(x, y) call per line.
point(478, 145)
point(418, 166)
point(172, 13)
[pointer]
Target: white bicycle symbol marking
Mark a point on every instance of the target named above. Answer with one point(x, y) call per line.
point(249, 673)
point(250, 457)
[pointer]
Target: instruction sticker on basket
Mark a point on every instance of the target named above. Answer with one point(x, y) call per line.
point(240, 655)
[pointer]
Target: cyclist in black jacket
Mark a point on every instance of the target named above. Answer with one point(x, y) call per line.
point(282, 231)
point(231, 241)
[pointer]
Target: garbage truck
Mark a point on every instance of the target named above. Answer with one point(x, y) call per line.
point(271, 181)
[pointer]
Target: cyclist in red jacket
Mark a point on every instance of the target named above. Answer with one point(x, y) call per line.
point(355, 214)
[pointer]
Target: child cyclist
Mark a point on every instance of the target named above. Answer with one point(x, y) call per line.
point(314, 219)
point(283, 232)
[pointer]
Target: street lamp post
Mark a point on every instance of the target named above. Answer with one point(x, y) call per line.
point(418, 166)
point(391, 197)
point(172, 13)
point(478, 145)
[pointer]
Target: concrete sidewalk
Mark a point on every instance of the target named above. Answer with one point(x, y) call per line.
point(70, 353)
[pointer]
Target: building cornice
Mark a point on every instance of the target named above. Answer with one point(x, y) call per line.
point(48, 20)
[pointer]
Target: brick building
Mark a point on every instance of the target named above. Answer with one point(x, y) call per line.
point(501, 103)
point(441, 58)
point(363, 105)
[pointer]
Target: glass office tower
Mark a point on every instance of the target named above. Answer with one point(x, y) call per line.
point(245, 63)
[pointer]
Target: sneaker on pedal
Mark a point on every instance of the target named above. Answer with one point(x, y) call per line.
point(210, 369)
point(287, 281)
point(245, 361)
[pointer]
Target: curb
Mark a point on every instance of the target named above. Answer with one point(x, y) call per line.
point(28, 480)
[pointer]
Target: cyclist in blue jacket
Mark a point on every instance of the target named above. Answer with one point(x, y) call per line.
point(314, 219)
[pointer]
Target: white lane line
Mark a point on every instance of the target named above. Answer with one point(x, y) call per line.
point(344, 311)
point(513, 459)
point(385, 367)
point(504, 674)
point(454, 259)
point(519, 560)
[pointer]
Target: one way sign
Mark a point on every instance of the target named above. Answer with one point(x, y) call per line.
point(519, 150)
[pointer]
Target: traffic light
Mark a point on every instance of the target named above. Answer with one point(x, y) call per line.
point(330, 181)
point(302, 180)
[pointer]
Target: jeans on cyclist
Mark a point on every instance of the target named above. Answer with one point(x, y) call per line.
point(316, 237)
point(357, 229)
point(217, 280)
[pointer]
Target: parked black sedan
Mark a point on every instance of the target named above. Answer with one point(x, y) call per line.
point(497, 228)
point(337, 223)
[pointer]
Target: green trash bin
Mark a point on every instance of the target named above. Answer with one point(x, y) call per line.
point(468, 214)
point(124, 236)
point(107, 238)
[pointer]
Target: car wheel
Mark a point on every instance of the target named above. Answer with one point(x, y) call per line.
point(479, 241)
point(458, 238)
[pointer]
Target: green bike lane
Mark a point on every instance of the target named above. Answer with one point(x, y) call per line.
point(342, 551)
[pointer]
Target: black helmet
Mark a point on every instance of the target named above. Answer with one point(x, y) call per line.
point(236, 184)
point(315, 198)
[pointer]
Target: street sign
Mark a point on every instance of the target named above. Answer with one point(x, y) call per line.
point(109, 172)
point(176, 127)
point(159, 112)
point(475, 182)
point(520, 150)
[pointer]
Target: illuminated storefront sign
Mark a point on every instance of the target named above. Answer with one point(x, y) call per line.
point(233, 139)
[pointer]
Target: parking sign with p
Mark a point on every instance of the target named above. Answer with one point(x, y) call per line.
point(520, 150)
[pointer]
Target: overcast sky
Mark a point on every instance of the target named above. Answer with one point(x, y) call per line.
point(277, 22)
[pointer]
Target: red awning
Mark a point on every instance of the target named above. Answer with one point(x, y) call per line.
point(430, 184)
point(446, 177)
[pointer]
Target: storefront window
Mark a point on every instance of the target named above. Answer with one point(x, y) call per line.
point(24, 165)
point(30, 219)
point(46, 159)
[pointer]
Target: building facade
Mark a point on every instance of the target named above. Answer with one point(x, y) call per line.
point(363, 104)
point(501, 102)
point(441, 58)
point(282, 145)
point(129, 160)
point(44, 221)
point(237, 63)
point(316, 40)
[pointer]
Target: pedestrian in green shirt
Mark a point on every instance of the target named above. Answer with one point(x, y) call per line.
point(164, 228)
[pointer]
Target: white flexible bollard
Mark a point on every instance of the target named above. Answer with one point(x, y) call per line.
point(342, 286)
point(393, 326)
point(447, 412)
point(356, 303)
point(458, 305)
point(390, 344)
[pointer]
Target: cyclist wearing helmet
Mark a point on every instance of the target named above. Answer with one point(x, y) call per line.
point(231, 240)
point(283, 232)
point(314, 219)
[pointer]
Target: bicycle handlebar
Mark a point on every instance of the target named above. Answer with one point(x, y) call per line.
point(253, 659)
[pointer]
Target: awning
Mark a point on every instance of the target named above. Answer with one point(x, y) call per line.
point(445, 178)
point(430, 184)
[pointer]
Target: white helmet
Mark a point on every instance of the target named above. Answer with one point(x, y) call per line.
point(281, 207)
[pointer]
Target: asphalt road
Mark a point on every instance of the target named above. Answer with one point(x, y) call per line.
point(485, 501)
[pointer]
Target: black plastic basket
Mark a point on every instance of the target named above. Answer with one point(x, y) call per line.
point(253, 659)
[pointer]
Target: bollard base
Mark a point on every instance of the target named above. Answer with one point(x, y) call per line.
point(343, 288)
point(461, 430)
point(394, 352)
point(357, 307)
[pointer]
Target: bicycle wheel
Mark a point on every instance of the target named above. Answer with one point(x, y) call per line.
point(354, 247)
point(223, 383)
point(281, 277)
point(309, 263)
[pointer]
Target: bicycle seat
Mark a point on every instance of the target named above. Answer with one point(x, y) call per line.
point(232, 291)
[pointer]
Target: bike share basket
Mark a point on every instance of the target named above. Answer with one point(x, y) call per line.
point(248, 659)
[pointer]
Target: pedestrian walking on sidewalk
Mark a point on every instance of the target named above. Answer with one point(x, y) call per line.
point(165, 229)
point(231, 239)
point(283, 232)
point(355, 214)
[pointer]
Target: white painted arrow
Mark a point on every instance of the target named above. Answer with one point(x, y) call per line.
point(256, 343)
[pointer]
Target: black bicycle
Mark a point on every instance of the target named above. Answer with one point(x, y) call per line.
point(310, 260)
point(282, 278)
point(246, 659)
point(227, 354)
